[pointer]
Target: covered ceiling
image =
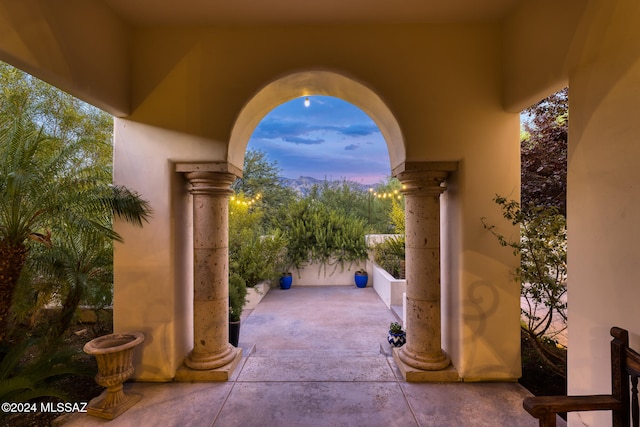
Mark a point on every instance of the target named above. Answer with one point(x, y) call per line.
point(265, 12)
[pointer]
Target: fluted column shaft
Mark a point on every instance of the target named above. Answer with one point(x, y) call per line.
point(211, 348)
point(422, 187)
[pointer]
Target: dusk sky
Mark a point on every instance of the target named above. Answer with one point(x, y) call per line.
point(328, 139)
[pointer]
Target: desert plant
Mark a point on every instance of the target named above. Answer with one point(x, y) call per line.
point(253, 254)
point(542, 273)
point(395, 328)
point(237, 295)
point(397, 216)
point(77, 268)
point(30, 380)
point(390, 254)
point(44, 185)
point(320, 235)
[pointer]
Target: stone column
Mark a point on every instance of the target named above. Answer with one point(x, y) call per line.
point(209, 186)
point(422, 186)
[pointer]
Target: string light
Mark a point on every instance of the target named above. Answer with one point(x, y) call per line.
point(390, 195)
point(238, 201)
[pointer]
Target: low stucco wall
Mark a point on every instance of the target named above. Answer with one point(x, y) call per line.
point(255, 295)
point(327, 275)
point(388, 288)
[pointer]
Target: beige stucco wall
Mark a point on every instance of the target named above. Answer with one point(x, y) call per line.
point(603, 198)
point(446, 86)
point(438, 91)
point(538, 40)
point(330, 274)
point(442, 85)
point(153, 268)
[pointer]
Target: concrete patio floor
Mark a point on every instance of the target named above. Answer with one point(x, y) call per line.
point(317, 356)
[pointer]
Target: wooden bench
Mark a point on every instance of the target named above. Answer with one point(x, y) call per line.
point(623, 401)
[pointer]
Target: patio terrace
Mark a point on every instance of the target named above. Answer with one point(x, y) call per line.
point(317, 356)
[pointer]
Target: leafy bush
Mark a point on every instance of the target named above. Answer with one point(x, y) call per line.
point(542, 274)
point(397, 216)
point(390, 255)
point(30, 380)
point(317, 234)
point(57, 206)
point(253, 255)
point(256, 258)
point(237, 295)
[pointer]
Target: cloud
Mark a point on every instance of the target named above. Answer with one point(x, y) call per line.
point(293, 131)
point(329, 138)
point(272, 129)
point(300, 140)
point(362, 129)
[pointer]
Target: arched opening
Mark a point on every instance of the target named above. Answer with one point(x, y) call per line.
point(423, 353)
point(315, 83)
point(249, 122)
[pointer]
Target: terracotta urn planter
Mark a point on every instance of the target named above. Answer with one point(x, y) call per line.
point(114, 354)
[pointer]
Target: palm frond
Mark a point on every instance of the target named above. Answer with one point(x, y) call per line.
point(12, 358)
point(21, 384)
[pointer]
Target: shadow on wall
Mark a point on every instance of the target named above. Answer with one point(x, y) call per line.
point(491, 336)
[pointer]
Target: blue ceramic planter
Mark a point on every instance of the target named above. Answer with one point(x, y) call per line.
point(286, 280)
point(361, 279)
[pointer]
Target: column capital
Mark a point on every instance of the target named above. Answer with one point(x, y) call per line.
point(424, 177)
point(215, 167)
point(209, 178)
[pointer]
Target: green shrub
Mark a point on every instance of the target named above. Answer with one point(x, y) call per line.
point(395, 328)
point(318, 234)
point(253, 254)
point(22, 382)
point(390, 255)
point(542, 275)
point(237, 295)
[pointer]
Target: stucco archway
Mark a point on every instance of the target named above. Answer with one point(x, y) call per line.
point(308, 83)
point(422, 182)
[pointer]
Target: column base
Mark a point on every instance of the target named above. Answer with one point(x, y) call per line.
point(411, 374)
point(219, 374)
point(208, 361)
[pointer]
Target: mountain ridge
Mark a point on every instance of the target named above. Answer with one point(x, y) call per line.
point(303, 184)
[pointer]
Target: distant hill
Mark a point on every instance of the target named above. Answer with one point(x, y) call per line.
point(303, 185)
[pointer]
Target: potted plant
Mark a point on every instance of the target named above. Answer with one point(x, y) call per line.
point(237, 293)
point(285, 280)
point(361, 277)
point(253, 256)
point(396, 337)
